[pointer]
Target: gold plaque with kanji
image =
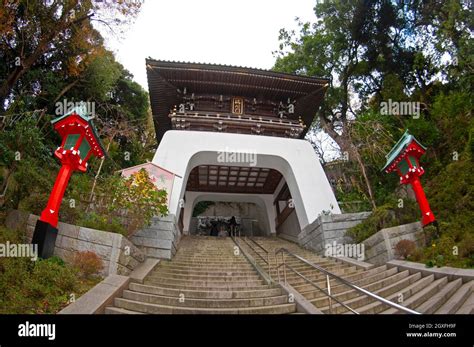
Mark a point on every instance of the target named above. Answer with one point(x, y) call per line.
point(237, 105)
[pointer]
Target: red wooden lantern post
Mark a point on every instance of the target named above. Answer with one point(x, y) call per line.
point(404, 159)
point(79, 142)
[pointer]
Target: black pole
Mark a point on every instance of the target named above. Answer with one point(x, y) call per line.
point(45, 237)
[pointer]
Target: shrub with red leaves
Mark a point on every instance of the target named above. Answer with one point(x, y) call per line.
point(87, 263)
point(405, 248)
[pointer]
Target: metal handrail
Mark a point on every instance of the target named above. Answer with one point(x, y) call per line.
point(328, 293)
point(259, 245)
point(266, 261)
point(340, 279)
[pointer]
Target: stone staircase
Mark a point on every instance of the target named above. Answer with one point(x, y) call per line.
point(207, 277)
point(425, 294)
point(204, 277)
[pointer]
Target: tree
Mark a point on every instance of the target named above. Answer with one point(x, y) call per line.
point(378, 50)
point(36, 33)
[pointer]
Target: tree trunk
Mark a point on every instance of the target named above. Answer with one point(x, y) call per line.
point(366, 178)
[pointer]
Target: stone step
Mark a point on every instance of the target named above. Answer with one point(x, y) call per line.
point(236, 286)
point(265, 291)
point(305, 268)
point(204, 282)
point(211, 262)
point(299, 283)
point(205, 251)
point(178, 263)
point(352, 293)
point(215, 272)
point(212, 280)
point(468, 305)
point(304, 286)
point(117, 310)
point(201, 277)
point(163, 309)
point(299, 266)
point(204, 303)
point(207, 255)
point(421, 296)
point(436, 301)
point(454, 303)
point(362, 300)
point(405, 292)
point(359, 279)
point(174, 269)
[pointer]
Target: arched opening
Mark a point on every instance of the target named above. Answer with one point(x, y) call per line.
point(279, 170)
point(255, 214)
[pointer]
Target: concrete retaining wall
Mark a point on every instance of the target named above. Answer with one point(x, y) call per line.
point(119, 256)
point(327, 229)
point(159, 240)
point(379, 248)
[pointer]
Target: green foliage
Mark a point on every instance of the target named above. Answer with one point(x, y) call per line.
point(102, 222)
point(470, 145)
point(352, 201)
point(57, 260)
point(450, 194)
point(125, 205)
point(385, 216)
point(55, 42)
point(353, 44)
point(452, 247)
point(101, 75)
point(42, 286)
point(138, 196)
point(25, 151)
point(201, 207)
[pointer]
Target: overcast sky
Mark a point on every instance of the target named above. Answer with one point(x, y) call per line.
point(242, 33)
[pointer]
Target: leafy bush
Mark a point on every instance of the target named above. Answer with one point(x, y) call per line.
point(87, 263)
point(57, 260)
point(42, 286)
point(132, 202)
point(449, 247)
point(450, 194)
point(102, 222)
point(385, 216)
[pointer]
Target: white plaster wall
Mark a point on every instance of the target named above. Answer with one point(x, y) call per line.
point(180, 151)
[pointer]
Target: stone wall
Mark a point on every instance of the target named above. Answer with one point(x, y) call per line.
point(118, 254)
point(327, 229)
point(160, 239)
point(379, 248)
